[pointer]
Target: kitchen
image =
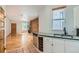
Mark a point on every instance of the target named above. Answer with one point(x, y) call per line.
point(55, 28)
point(58, 41)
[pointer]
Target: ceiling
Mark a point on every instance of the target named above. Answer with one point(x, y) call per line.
point(23, 12)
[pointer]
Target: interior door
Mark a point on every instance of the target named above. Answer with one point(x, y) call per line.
point(34, 25)
point(13, 28)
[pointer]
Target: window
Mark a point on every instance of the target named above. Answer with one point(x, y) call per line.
point(58, 19)
point(24, 26)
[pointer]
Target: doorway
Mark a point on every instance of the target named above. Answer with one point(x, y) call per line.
point(13, 28)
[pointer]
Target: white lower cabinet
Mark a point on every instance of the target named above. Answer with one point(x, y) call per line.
point(71, 46)
point(58, 45)
point(53, 45)
point(47, 45)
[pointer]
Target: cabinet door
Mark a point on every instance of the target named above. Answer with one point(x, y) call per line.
point(58, 45)
point(47, 45)
point(72, 46)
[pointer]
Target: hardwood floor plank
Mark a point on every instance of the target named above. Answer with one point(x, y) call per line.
point(20, 43)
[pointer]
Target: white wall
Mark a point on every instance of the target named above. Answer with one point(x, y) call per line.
point(8, 26)
point(18, 14)
point(45, 25)
point(18, 26)
point(7, 23)
point(70, 20)
point(76, 17)
point(45, 18)
point(26, 11)
point(23, 13)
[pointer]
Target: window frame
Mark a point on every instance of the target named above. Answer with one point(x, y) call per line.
point(59, 8)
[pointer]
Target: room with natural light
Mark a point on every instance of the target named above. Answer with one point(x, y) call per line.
point(39, 29)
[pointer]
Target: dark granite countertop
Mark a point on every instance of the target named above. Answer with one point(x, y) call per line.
point(70, 37)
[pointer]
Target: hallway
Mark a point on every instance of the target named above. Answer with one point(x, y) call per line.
point(20, 43)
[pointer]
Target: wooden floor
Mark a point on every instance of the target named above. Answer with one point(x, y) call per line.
point(21, 43)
